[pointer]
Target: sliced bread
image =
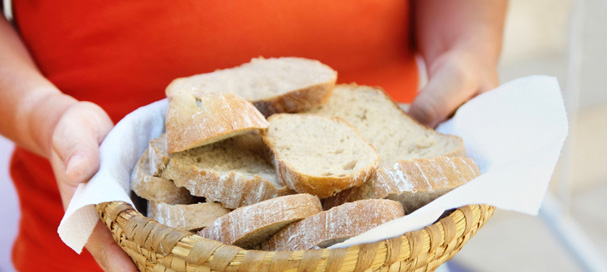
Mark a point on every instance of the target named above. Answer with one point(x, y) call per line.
point(394, 134)
point(158, 155)
point(152, 188)
point(186, 216)
point(413, 183)
point(232, 171)
point(274, 85)
point(318, 155)
point(248, 226)
point(335, 225)
point(196, 119)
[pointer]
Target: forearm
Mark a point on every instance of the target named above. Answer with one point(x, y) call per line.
point(470, 26)
point(30, 105)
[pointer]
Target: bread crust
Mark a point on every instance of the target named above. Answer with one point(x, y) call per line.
point(297, 100)
point(147, 186)
point(157, 155)
point(315, 94)
point(320, 186)
point(198, 118)
point(233, 189)
point(414, 182)
point(335, 225)
point(248, 226)
point(190, 217)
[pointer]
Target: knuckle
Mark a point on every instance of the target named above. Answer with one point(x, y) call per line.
point(428, 109)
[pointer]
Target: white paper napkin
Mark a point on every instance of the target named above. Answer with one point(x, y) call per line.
point(515, 133)
point(119, 154)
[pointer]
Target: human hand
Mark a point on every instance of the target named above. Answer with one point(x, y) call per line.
point(453, 78)
point(74, 156)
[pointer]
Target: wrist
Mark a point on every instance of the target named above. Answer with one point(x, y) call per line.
point(471, 26)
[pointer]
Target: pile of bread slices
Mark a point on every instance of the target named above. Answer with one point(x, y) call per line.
point(274, 155)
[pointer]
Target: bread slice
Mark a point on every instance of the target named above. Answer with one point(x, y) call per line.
point(394, 134)
point(274, 85)
point(414, 183)
point(232, 171)
point(249, 226)
point(147, 186)
point(189, 216)
point(158, 155)
point(196, 119)
point(335, 225)
point(318, 155)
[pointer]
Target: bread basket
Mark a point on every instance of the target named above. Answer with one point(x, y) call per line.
point(156, 247)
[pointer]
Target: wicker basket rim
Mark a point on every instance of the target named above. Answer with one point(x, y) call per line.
point(154, 246)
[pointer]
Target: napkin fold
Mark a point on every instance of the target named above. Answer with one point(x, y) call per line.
point(514, 133)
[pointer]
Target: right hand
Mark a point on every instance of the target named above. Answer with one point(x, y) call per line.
point(453, 78)
point(74, 156)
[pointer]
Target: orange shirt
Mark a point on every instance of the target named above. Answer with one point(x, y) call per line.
point(122, 54)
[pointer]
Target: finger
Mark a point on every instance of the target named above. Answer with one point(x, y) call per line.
point(66, 190)
point(66, 187)
point(75, 143)
point(447, 89)
point(77, 140)
point(106, 252)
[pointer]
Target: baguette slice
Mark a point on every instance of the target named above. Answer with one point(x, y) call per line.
point(318, 155)
point(158, 155)
point(189, 217)
point(414, 183)
point(394, 134)
point(249, 226)
point(147, 186)
point(335, 225)
point(202, 118)
point(273, 85)
point(233, 171)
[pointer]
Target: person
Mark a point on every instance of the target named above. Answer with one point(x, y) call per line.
point(71, 69)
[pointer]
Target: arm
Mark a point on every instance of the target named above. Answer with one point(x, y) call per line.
point(461, 43)
point(40, 118)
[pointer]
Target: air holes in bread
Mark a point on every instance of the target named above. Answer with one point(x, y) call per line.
point(350, 165)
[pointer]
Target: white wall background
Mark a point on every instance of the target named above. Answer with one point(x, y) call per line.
point(9, 207)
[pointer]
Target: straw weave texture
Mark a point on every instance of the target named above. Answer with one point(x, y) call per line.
point(155, 247)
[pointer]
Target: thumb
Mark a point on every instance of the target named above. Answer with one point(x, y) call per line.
point(447, 88)
point(75, 146)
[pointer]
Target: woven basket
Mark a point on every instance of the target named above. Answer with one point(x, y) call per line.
point(156, 247)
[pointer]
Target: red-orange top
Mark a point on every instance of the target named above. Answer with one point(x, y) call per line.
point(122, 54)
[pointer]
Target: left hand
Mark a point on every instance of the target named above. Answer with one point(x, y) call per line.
point(454, 77)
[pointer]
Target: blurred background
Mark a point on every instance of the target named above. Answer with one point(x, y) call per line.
point(566, 39)
point(563, 38)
